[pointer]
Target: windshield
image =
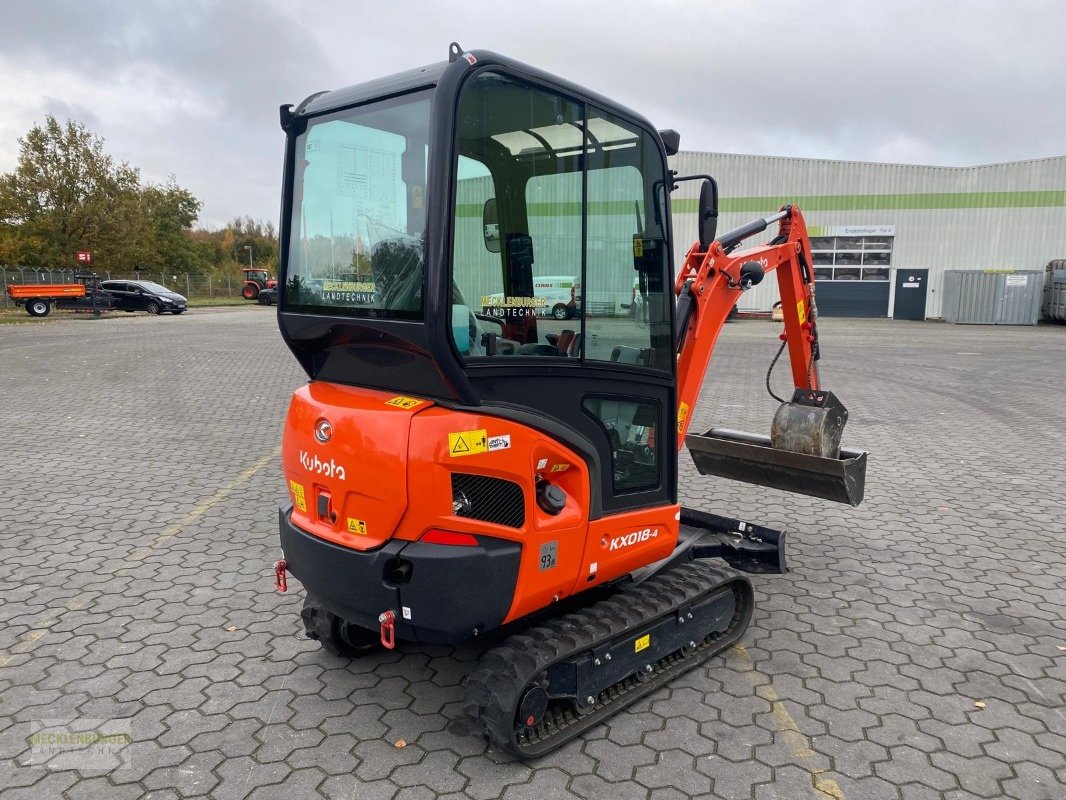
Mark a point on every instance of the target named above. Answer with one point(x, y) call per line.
point(358, 213)
point(154, 287)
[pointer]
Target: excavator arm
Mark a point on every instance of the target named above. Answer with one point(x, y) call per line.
point(712, 280)
point(803, 452)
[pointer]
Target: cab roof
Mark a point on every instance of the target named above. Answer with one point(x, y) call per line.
point(431, 75)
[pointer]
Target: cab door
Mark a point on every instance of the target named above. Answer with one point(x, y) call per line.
point(574, 189)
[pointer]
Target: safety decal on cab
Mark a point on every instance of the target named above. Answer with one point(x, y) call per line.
point(801, 311)
point(682, 415)
point(404, 402)
point(560, 467)
point(298, 498)
point(500, 442)
point(468, 443)
point(356, 526)
point(643, 643)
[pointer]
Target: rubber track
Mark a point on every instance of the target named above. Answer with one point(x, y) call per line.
point(494, 688)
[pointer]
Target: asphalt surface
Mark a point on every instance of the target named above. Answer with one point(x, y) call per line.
point(916, 650)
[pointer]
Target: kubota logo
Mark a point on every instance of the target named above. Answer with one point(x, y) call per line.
point(329, 469)
point(618, 542)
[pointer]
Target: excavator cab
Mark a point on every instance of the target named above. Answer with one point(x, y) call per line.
point(422, 212)
point(489, 436)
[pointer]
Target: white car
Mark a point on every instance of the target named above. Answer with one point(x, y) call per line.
point(553, 295)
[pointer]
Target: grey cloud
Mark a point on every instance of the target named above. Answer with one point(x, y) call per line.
point(61, 109)
point(934, 82)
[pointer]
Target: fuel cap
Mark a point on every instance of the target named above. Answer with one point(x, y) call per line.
point(550, 498)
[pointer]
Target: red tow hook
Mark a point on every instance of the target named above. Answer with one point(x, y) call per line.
point(280, 582)
point(388, 629)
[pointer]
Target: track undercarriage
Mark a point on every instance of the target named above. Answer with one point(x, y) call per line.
point(554, 681)
point(559, 675)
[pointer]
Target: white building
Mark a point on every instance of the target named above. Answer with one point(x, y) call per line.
point(876, 226)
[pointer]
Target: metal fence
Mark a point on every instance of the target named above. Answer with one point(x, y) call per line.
point(192, 286)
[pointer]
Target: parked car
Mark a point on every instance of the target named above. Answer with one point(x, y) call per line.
point(145, 296)
point(268, 297)
point(557, 296)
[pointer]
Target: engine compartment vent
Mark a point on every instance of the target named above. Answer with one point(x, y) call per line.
point(488, 499)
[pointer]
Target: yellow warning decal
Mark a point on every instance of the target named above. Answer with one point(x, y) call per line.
point(682, 415)
point(638, 247)
point(643, 643)
point(404, 402)
point(298, 498)
point(560, 468)
point(356, 526)
point(467, 443)
point(801, 311)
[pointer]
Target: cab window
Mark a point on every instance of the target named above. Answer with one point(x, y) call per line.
point(558, 249)
point(356, 244)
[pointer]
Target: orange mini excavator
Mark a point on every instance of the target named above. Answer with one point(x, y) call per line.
point(462, 459)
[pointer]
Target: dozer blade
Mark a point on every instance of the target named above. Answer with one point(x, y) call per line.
point(751, 458)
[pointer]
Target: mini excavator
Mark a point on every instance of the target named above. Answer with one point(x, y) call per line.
point(462, 463)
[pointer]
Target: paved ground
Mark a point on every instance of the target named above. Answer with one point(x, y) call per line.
point(139, 463)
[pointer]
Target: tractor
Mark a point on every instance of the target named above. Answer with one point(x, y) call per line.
point(255, 281)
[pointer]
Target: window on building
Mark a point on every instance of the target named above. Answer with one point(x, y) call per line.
point(851, 258)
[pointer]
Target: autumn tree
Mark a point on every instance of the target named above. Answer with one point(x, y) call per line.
point(67, 194)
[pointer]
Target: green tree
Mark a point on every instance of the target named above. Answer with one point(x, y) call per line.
point(170, 212)
point(66, 194)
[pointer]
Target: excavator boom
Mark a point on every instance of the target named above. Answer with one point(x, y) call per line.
point(803, 453)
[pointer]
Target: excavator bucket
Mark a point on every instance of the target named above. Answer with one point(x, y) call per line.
point(802, 454)
point(752, 458)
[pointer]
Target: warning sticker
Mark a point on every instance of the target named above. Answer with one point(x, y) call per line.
point(542, 463)
point(682, 415)
point(356, 526)
point(468, 443)
point(638, 247)
point(500, 442)
point(643, 643)
point(560, 468)
point(801, 311)
point(298, 498)
point(404, 402)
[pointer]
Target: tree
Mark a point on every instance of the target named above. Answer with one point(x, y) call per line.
point(170, 213)
point(66, 194)
point(260, 236)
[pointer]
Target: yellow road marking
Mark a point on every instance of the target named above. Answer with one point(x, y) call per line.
point(82, 600)
point(799, 746)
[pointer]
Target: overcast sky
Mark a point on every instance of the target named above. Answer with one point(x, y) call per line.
point(192, 88)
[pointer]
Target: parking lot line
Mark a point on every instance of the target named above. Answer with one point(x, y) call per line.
point(798, 744)
point(84, 599)
point(174, 529)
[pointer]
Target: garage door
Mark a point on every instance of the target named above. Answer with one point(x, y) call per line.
point(852, 298)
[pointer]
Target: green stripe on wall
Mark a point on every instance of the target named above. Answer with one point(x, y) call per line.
point(887, 202)
point(561, 209)
point(817, 202)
